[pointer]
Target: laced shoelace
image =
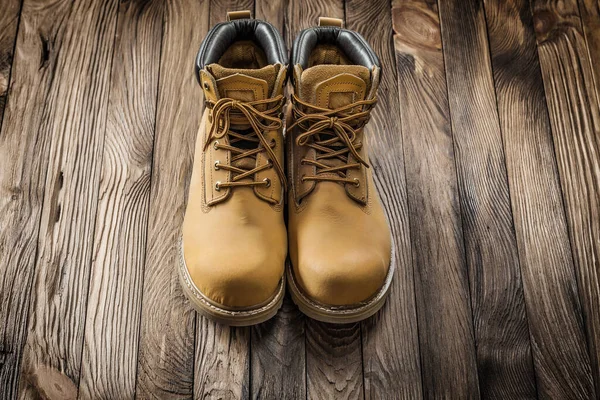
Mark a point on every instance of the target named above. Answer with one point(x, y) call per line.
point(333, 134)
point(227, 112)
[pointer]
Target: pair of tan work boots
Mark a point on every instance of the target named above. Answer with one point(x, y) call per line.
point(234, 239)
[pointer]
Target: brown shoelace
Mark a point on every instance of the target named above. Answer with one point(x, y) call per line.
point(228, 112)
point(332, 133)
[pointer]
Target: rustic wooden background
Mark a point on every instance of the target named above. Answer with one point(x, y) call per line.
point(486, 148)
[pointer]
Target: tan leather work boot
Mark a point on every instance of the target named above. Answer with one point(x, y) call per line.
point(339, 238)
point(234, 241)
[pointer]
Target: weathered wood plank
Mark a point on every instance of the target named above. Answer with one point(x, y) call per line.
point(166, 351)
point(278, 364)
point(333, 361)
point(441, 283)
point(9, 22)
point(575, 119)
point(27, 131)
point(590, 15)
point(557, 334)
point(333, 352)
point(75, 116)
point(499, 316)
point(390, 339)
point(114, 305)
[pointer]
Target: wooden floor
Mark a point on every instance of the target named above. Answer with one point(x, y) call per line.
point(486, 150)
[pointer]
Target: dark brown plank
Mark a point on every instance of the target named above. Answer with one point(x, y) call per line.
point(166, 350)
point(557, 334)
point(333, 361)
point(278, 364)
point(27, 131)
point(575, 119)
point(9, 22)
point(443, 305)
point(390, 339)
point(110, 351)
point(590, 15)
point(500, 323)
point(75, 117)
point(333, 352)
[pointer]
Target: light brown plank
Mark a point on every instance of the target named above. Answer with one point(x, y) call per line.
point(500, 323)
point(575, 119)
point(166, 350)
point(75, 117)
point(390, 339)
point(333, 352)
point(9, 21)
point(590, 15)
point(27, 131)
point(114, 305)
point(278, 364)
point(557, 334)
point(443, 304)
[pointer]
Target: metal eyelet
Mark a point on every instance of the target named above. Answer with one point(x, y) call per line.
point(216, 145)
point(217, 165)
point(268, 182)
point(356, 182)
point(218, 186)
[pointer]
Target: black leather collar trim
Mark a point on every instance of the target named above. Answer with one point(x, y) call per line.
point(223, 35)
point(352, 43)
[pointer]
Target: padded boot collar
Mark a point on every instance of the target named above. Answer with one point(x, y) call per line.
point(222, 35)
point(352, 43)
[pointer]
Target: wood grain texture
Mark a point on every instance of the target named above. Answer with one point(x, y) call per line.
point(390, 339)
point(110, 349)
point(9, 22)
point(499, 317)
point(278, 362)
point(575, 119)
point(590, 15)
point(333, 361)
point(74, 117)
point(222, 361)
point(557, 333)
point(333, 353)
point(168, 323)
point(443, 305)
point(27, 131)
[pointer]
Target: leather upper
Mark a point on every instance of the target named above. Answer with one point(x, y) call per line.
point(339, 237)
point(234, 237)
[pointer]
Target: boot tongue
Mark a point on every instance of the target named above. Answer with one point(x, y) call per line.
point(245, 84)
point(334, 86)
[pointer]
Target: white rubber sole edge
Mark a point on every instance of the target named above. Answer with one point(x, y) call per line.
point(245, 317)
point(340, 314)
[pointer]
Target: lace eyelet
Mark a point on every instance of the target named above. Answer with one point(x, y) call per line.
point(303, 178)
point(267, 182)
point(273, 143)
point(270, 162)
point(356, 182)
point(216, 145)
point(206, 86)
point(217, 165)
point(218, 186)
